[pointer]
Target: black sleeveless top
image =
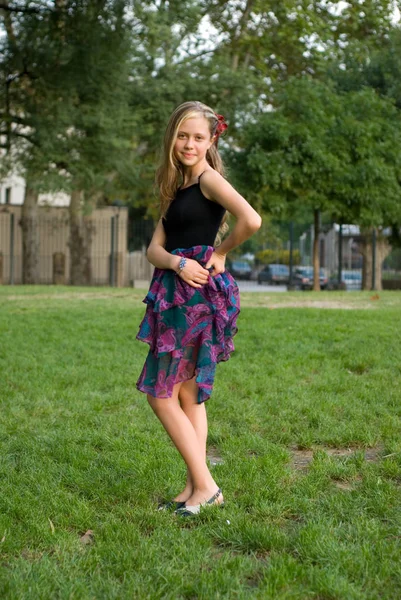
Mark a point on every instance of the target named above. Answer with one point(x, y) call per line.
point(192, 219)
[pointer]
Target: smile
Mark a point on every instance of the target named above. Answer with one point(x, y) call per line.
point(187, 155)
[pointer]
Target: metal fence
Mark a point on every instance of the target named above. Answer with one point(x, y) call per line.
point(349, 259)
point(118, 252)
point(107, 246)
point(340, 250)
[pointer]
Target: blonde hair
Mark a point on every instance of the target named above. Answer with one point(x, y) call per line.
point(170, 172)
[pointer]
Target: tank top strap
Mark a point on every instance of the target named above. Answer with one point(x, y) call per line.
point(200, 176)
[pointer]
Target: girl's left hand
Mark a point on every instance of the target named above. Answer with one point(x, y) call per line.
point(218, 262)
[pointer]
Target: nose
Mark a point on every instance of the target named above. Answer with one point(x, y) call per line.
point(189, 143)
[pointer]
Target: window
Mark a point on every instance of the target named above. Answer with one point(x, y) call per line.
point(8, 196)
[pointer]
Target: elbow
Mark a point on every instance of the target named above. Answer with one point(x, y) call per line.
point(255, 223)
point(149, 253)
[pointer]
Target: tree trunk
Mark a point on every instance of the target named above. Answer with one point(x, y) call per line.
point(238, 34)
point(383, 249)
point(316, 262)
point(30, 237)
point(8, 24)
point(366, 251)
point(80, 242)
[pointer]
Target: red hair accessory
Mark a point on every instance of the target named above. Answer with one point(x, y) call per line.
point(221, 125)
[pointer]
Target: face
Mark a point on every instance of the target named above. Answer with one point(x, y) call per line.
point(193, 141)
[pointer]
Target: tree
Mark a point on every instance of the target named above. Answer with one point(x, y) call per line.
point(285, 156)
point(66, 119)
point(377, 79)
point(96, 132)
point(17, 89)
point(366, 190)
point(334, 152)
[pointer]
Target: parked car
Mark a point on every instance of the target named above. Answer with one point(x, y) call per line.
point(303, 278)
point(274, 275)
point(240, 269)
point(350, 280)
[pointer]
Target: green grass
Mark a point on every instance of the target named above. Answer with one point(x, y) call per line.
point(81, 450)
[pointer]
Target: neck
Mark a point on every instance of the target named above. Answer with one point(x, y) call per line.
point(190, 173)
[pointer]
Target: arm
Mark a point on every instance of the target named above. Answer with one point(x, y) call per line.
point(216, 188)
point(157, 255)
point(193, 273)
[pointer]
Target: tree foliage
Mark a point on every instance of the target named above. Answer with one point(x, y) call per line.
point(86, 86)
point(65, 94)
point(334, 151)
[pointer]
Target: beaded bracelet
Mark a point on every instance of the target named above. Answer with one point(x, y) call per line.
point(182, 264)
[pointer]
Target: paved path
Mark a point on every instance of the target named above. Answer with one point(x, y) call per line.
point(253, 286)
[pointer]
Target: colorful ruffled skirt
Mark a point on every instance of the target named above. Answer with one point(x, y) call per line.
point(189, 330)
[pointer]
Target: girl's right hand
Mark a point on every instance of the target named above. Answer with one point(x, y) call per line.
point(194, 274)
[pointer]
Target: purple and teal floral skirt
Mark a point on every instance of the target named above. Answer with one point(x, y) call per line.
point(189, 330)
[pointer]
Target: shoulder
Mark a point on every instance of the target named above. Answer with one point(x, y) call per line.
point(210, 182)
point(211, 178)
point(216, 188)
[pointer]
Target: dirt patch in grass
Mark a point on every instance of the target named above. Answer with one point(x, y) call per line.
point(214, 457)
point(301, 459)
point(328, 304)
point(72, 296)
point(323, 304)
point(323, 300)
point(253, 581)
point(346, 486)
point(31, 555)
point(319, 300)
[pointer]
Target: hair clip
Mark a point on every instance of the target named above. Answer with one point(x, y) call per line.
point(221, 125)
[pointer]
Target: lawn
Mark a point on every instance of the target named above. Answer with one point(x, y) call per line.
point(304, 440)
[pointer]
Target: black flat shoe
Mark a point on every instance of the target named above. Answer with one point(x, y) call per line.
point(189, 511)
point(171, 505)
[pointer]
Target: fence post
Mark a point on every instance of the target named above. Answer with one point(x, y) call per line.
point(1, 268)
point(58, 268)
point(116, 227)
point(374, 258)
point(290, 286)
point(119, 269)
point(112, 252)
point(12, 219)
point(340, 254)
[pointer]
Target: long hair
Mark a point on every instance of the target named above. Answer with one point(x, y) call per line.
point(170, 172)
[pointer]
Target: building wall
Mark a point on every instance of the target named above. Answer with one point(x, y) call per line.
point(16, 186)
point(328, 248)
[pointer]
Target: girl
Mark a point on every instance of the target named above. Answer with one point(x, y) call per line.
point(193, 303)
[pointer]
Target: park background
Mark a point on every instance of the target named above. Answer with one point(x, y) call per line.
point(305, 417)
point(311, 93)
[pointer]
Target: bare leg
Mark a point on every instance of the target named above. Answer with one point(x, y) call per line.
point(196, 413)
point(183, 435)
